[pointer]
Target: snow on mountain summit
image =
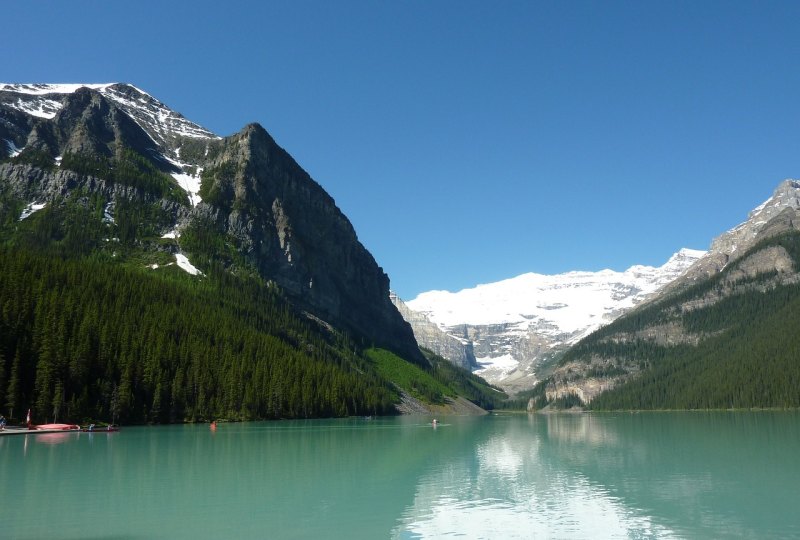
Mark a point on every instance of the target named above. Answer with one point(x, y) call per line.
point(165, 127)
point(571, 301)
point(159, 121)
point(515, 324)
point(40, 89)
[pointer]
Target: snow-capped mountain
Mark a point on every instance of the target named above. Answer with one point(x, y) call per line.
point(44, 102)
point(159, 121)
point(118, 143)
point(517, 323)
point(167, 129)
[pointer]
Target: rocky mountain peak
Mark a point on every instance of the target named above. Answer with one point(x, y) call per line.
point(163, 126)
point(786, 196)
point(245, 190)
point(89, 123)
point(777, 214)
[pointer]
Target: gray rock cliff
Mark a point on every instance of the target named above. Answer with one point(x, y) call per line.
point(457, 350)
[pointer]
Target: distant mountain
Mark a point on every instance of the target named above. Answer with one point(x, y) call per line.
point(722, 335)
point(105, 176)
point(517, 325)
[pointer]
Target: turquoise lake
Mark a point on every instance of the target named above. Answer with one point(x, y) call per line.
point(647, 475)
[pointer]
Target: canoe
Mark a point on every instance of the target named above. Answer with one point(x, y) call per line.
point(57, 427)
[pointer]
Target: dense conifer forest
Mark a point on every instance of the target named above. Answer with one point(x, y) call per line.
point(90, 330)
point(82, 340)
point(747, 356)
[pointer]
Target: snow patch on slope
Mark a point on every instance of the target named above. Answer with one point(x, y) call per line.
point(497, 367)
point(108, 213)
point(44, 89)
point(30, 209)
point(152, 115)
point(189, 182)
point(183, 263)
point(13, 151)
point(41, 108)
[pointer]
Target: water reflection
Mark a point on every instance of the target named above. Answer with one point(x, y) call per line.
point(53, 438)
point(617, 476)
point(566, 476)
point(513, 486)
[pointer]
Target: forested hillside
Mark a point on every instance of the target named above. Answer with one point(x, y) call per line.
point(728, 342)
point(82, 339)
point(151, 271)
point(89, 331)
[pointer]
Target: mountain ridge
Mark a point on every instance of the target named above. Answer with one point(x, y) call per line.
point(161, 123)
point(720, 336)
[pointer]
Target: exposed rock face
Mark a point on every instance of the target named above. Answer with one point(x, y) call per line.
point(456, 350)
point(282, 221)
point(779, 213)
point(292, 230)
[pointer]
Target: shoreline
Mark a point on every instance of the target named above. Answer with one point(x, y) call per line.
point(575, 410)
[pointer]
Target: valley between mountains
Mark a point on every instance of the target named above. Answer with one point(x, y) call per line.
point(153, 271)
point(705, 330)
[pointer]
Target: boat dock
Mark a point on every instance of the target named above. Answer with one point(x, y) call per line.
point(26, 431)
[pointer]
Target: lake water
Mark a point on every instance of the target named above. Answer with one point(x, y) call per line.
point(648, 475)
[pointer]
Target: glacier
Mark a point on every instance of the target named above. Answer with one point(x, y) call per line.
point(515, 325)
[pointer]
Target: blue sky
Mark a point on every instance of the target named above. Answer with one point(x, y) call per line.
point(470, 142)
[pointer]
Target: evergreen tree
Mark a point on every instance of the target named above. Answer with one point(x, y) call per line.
point(14, 389)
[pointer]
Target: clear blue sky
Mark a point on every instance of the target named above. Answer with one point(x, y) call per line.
point(470, 142)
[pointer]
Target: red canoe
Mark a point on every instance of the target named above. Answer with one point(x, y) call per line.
point(56, 427)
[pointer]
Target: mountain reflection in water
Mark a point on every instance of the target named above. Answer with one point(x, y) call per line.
point(655, 475)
